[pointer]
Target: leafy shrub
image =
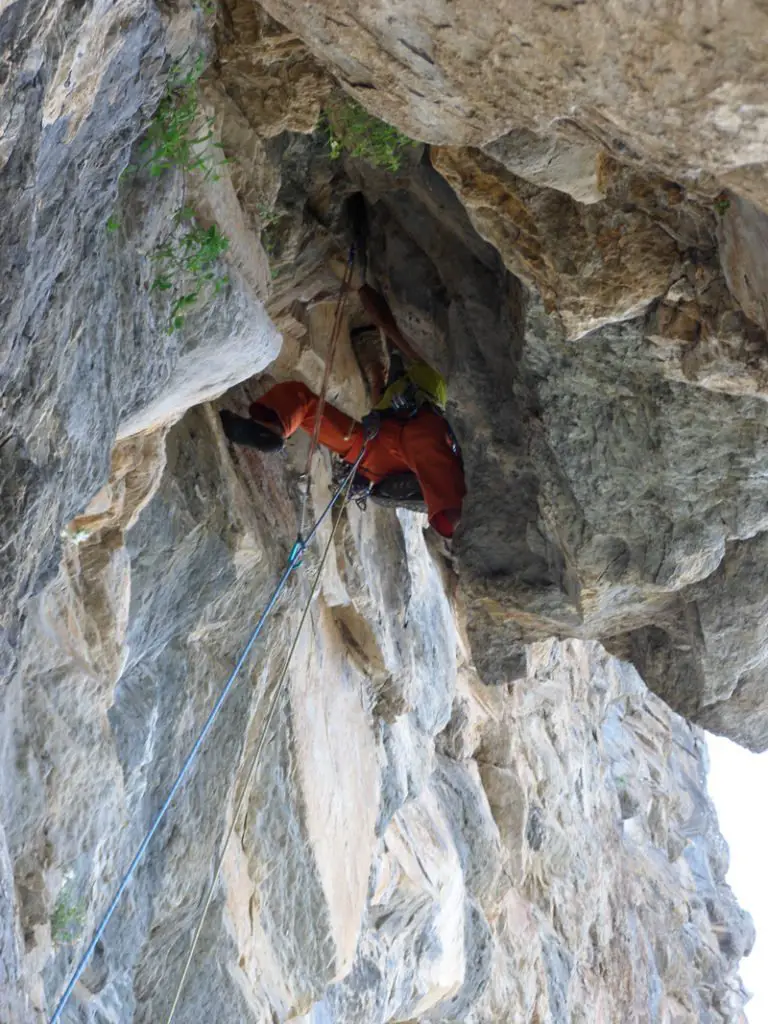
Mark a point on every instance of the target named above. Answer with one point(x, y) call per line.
point(186, 262)
point(353, 130)
point(171, 141)
point(189, 261)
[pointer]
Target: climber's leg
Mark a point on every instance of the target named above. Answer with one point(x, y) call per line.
point(427, 448)
point(293, 406)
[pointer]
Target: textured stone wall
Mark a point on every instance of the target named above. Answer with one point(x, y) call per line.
point(671, 85)
point(471, 806)
point(416, 845)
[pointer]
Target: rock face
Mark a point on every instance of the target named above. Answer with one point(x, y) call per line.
point(607, 484)
point(592, 264)
point(416, 845)
point(77, 310)
point(470, 805)
point(672, 85)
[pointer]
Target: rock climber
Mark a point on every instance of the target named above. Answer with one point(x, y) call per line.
point(411, 456)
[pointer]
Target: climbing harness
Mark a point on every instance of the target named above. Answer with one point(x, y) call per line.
point(413, 387)
point(294, 559)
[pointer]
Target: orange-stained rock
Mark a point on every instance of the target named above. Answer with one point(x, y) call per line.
point(591, 264)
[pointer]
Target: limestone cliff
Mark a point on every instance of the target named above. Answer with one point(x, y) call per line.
point(478, 800)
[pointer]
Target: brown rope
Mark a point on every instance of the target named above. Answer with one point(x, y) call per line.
point(336, 330)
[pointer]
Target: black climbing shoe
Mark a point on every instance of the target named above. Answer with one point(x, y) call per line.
point(242, 431)
point(358, 490)
point(400, 490)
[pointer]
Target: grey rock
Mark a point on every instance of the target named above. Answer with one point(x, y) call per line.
point(85, 345)
point(415, 844)
point(599, 490)
point(569, 165)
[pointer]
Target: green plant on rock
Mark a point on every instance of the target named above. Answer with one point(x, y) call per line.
point(186, 265)
point(722, 204)
point(353, 130)
point(177, 129)
point(176, 140)
point(267, 214)
point(68, 918)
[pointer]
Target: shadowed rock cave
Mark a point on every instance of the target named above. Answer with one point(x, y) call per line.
point(483, 794)
point(597, 501)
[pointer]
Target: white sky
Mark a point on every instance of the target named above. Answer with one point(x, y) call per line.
point(738, 785)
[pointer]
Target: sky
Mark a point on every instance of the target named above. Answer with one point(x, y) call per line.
point(738, 785)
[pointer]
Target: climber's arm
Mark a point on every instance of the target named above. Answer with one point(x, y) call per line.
point(377, 309)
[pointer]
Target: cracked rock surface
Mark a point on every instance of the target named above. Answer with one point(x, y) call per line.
point(482, 796)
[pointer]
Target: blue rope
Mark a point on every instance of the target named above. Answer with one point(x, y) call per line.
point(297, 552)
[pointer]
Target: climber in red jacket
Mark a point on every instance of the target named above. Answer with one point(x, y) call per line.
point(413, 436)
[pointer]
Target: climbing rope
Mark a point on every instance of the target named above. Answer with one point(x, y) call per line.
point(294, 559)
point(335, 332)
point(346, 485)
point(273, 703)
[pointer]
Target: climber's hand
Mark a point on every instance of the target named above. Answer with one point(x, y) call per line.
point(371, 424)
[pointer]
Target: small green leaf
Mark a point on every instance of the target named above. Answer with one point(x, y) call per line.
point(722, 204)
point(351, 128)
